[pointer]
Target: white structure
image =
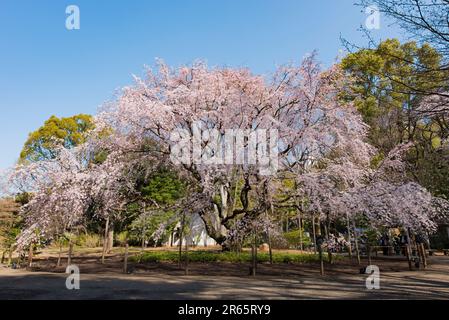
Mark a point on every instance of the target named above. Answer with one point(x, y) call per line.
point(197, 235)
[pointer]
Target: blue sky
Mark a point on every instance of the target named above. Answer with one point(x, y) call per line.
point(47, 70)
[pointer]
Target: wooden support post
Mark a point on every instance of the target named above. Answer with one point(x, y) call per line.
point(186, 270)
point(125, 261)
point(254, 256)
point(58, 264)
point(356, 243)
point(105, 241)
point(30, 256)
point(369, 255)
point(314, 234)
point(348, 228)
point(270, 251)
point(423, 254)
point(408, 251)
point(320, 252)
point(10, 251)
point(69, 258)
point(301, 242)
point(409, 259)
point(181, 229)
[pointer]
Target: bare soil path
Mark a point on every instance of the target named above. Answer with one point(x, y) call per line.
point(224, 281)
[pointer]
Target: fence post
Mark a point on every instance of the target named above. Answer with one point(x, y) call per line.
point(69, 258)
point(30, 256)
point(125, 263)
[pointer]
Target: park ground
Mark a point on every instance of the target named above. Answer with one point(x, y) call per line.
point(222, 280)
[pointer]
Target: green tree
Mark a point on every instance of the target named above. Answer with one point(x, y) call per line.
point(164, 188)
point(56, 132)
point(160, 192)
point(381, 91)
point(10, 225)
point(383, 78)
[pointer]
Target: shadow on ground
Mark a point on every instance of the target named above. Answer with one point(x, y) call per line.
point(210, 281)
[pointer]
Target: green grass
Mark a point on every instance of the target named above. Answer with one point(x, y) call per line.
point(211, 256)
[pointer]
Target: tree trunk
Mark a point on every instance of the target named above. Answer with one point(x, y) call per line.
point(219, 218)
point(110, 239)
point(3, 256)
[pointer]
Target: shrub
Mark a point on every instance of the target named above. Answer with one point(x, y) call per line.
point(293, 239)
point(211, 256)
point(88, 240)
point(121, 238)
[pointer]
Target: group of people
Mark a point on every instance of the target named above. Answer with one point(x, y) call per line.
point(396, 243)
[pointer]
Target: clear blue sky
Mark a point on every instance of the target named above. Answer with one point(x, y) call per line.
point(46, 69)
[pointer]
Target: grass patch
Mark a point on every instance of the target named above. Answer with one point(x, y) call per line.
point(214, 256)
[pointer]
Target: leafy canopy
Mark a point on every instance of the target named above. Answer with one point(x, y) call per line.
point(56, 132)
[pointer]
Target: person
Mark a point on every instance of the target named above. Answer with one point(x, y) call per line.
point(397, 245)
point(419, 239)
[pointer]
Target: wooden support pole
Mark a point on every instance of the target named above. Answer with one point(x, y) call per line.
point(254, 256)
point(356, 242)
point(30, 256)
point(69, 258)
point(186, 270)
point(181, 229)
point(105, 241)
point(314, 234)
point(270, 251)
point(125, 261)
point(58, 264)
point(320, 252)
point(409, 259)
point(10, 251)
point(423, 254)
point(368, 248)
point(348, 228)
point(408, 251)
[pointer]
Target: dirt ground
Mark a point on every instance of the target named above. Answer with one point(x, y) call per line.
point(222, 280)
